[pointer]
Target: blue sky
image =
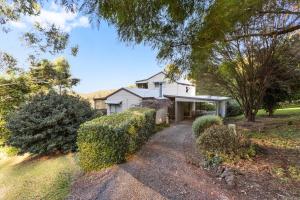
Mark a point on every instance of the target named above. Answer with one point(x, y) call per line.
point(103, 61)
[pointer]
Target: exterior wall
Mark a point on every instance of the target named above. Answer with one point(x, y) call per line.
point(170, 88)
point(127, 100)
point(161, 115)
point(182, 90)
point(99, 104)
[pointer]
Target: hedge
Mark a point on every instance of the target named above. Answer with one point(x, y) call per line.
point(204, 122)
point(107, 140)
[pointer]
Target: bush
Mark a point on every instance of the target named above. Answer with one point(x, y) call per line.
point(233, 109)
point(219, 139)
point(48, 123)
point(107, 140)
point(204, 122)
point(225, 142)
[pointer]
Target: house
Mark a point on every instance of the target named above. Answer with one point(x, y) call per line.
point(182, 94)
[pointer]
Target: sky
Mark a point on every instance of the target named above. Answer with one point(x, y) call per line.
point(103, 61)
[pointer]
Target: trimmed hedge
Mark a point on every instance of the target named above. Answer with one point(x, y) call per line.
point(204, 122)
point(107, 140)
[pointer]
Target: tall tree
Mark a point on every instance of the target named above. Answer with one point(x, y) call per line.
point(46, 75)
point(235, 41)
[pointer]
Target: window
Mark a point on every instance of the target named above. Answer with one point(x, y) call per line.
point(156, 84)
point(187, 89)
point(142, 85)
point(114, 108)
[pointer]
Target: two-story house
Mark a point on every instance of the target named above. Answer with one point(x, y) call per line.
point(182, 93)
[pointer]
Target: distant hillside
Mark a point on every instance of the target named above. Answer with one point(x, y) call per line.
point(97, 94)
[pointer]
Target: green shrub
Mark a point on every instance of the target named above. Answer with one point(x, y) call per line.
point(206, 106)
point(48, 123)
point(219, 139)
point(204, 122)
point(107, 140)
point(233, 109)
point(222, 141)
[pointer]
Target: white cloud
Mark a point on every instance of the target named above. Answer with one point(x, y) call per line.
point(57, 15)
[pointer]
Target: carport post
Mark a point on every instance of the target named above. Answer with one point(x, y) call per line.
point(217, 108)
point(176, 111)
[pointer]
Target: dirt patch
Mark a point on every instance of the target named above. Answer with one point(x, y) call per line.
point(268, 175)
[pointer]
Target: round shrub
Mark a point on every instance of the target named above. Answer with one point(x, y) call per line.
point(48, 123)
point(233, 109)
point(204, 122)
point(219, 139)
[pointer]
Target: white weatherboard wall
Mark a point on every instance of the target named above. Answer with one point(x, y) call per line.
point(127, 100)
point(170, 88)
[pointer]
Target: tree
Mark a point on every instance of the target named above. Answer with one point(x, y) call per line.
point(189, 33)
point(285, 83)
point(41, 39)
point(48, 123)
point(46, 75)
point(63, 79)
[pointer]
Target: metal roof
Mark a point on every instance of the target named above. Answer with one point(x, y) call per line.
point(201, 97)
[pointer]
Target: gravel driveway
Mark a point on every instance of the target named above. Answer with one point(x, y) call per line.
point(158, 171)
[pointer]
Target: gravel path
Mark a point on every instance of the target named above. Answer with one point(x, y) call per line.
point(158, 171)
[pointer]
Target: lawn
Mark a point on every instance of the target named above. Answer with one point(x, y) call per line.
point(277, 165)
point(22, 177)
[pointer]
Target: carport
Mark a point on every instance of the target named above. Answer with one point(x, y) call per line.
point(184, 104)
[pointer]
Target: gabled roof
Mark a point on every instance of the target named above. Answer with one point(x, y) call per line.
point(180, 81)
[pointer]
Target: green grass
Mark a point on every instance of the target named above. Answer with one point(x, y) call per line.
point(44, 178)
point(284, 112)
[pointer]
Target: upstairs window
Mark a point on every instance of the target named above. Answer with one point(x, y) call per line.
point(142, 85)
point(187, 89)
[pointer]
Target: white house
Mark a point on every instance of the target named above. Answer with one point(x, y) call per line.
point(182, 93)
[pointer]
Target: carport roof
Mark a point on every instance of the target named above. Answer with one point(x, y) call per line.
point(199, 98)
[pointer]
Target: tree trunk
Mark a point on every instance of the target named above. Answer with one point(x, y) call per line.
point(250, 115)
point(271, 112)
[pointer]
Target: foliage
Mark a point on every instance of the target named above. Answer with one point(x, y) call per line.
point(41, 38)
point(225, 142)
point(48, 123)
point(107, 140)
point(23, 177)
point(226, 40)
point(206, 106)
point(219, 139)
point(233, 109)
point(204, 122)
point(46, 75)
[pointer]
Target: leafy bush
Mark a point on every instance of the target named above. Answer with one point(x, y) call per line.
point(4, 132)
point(233, 109)
point(107, 140)
point(48, 123)
point(203, 122)
point(225, 142)
point(219, 139)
